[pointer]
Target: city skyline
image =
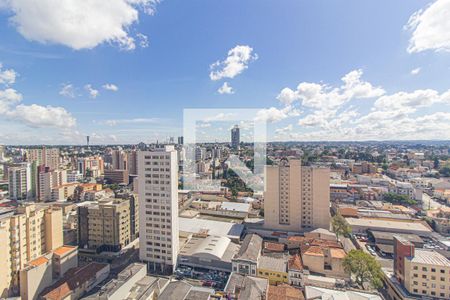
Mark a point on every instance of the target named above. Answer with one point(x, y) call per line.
point(368, 71)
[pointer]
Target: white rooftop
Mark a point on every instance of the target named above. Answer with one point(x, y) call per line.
point(197, 225)
point(312, 292)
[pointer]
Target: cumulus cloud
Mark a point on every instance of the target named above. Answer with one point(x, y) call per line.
point(430, 28)
point(274, 114)
point(67, 90)
point(143, 40)
point(236, 62)
point(42, 116)
point(226, 89)
point(7, 76)
point(79, 24)
point(114, 122)
point(110, 87)
point(93, 93)
point(33, 115)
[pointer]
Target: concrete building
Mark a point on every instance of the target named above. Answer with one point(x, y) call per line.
point(245, 262)
point(275, 269)
point(48, 180)
point(246, 287)
point(408, 227)
point(27, 233)
point(296, 198)
point(117, 176)
point(119, 160)
point(421, 272)
point(48, 157)
point(20, 182)
point(132, 158)
point(235, 137)
point(104, 226)
point(158, 202)
point(90, 166)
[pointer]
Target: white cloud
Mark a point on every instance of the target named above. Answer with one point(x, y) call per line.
point(42, 116)
point(284, 130)
point(110, 87)
point(226, 89)
point(274, 114)
point(114, 122)
point(67, 90)
point(236, 62)
point(430, 28)
point(78, 24)
point(415, 71)
point(325, 97)
point(8, 97)
point(143, 40)
point(7, 76)
point(93, 93)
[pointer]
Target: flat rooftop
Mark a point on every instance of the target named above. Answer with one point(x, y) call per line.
point(385, 224)
point(429, 257)
point(198, 225)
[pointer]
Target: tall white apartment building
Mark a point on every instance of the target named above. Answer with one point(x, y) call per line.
point(48, 180)
point(48, 157)
point(158, 208)
point(20, 185)
point(296, 198)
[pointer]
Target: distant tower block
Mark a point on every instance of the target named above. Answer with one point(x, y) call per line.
point(87, 140)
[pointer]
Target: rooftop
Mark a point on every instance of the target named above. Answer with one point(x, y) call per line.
point(250, 248)
point(385, 224)
point(312, 292)
point(429, 257)
point(337, 253)
point(226, 229)
point(295, 263)
point(248, 287)
point(38, 261)
point(284, 292)
point(273, 264)
point(63, 250)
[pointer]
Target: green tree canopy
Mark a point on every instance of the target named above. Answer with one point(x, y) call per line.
point(364, 268)
point(340, 226)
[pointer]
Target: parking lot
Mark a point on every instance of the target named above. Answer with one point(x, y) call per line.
point(204, 277)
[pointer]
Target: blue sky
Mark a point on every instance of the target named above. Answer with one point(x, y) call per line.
point(290, 42)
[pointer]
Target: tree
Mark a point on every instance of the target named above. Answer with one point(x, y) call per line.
point(364, 268)
point(340, 226)
point(398, 199)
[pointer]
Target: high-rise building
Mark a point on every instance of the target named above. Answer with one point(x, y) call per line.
point(90, 166)
point(158, 202)
point(132, 162)
point(49, 180)
point(104, 226)
point(27, 233)
point(180, 140)
point(235, 137)
point(48, 157)
point(20, 182)
point(296, 197)
point(422, 272)
point(119, 160)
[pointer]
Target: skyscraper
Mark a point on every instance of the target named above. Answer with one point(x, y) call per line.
point(20, 183)
point(296, 197)
point(158, 202)
point(235, 137)
point(48, 157)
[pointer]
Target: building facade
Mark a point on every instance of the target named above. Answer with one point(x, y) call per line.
point(158, 214)
point(48, 157)
point(235, 137)
point(296, 197)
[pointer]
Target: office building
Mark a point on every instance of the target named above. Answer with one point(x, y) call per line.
point(296, 197)
point(104, 226)
point(158, 202)
point(27, 233)
point(48, 157)
point(119, 160)
point(132, 162)
point(235, 137)
point(421, 272)
point(20, 182)
point(117, 176)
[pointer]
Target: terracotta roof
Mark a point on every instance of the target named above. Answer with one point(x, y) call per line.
point(295, 263)
point(73, 279)
point(284, 292)
point(337, 253)
point(275, 247)
point(64, 250)
point(314, 250)
point(348, 211)
point(38, 261)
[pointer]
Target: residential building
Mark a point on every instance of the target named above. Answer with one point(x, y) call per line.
point(105, 225)
point(245, 262)
point(275, 269)
point(48, 180)
point(295, 270)
point(246, 287)
point(48, 157)
point(20, 182)
point(119, 160)
point(296, 197)
point(421, 272)
point(158, 202)
point(28, 232)
point(235, 137)
point(132, 158)
point(284, 292)
point(90, 166)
